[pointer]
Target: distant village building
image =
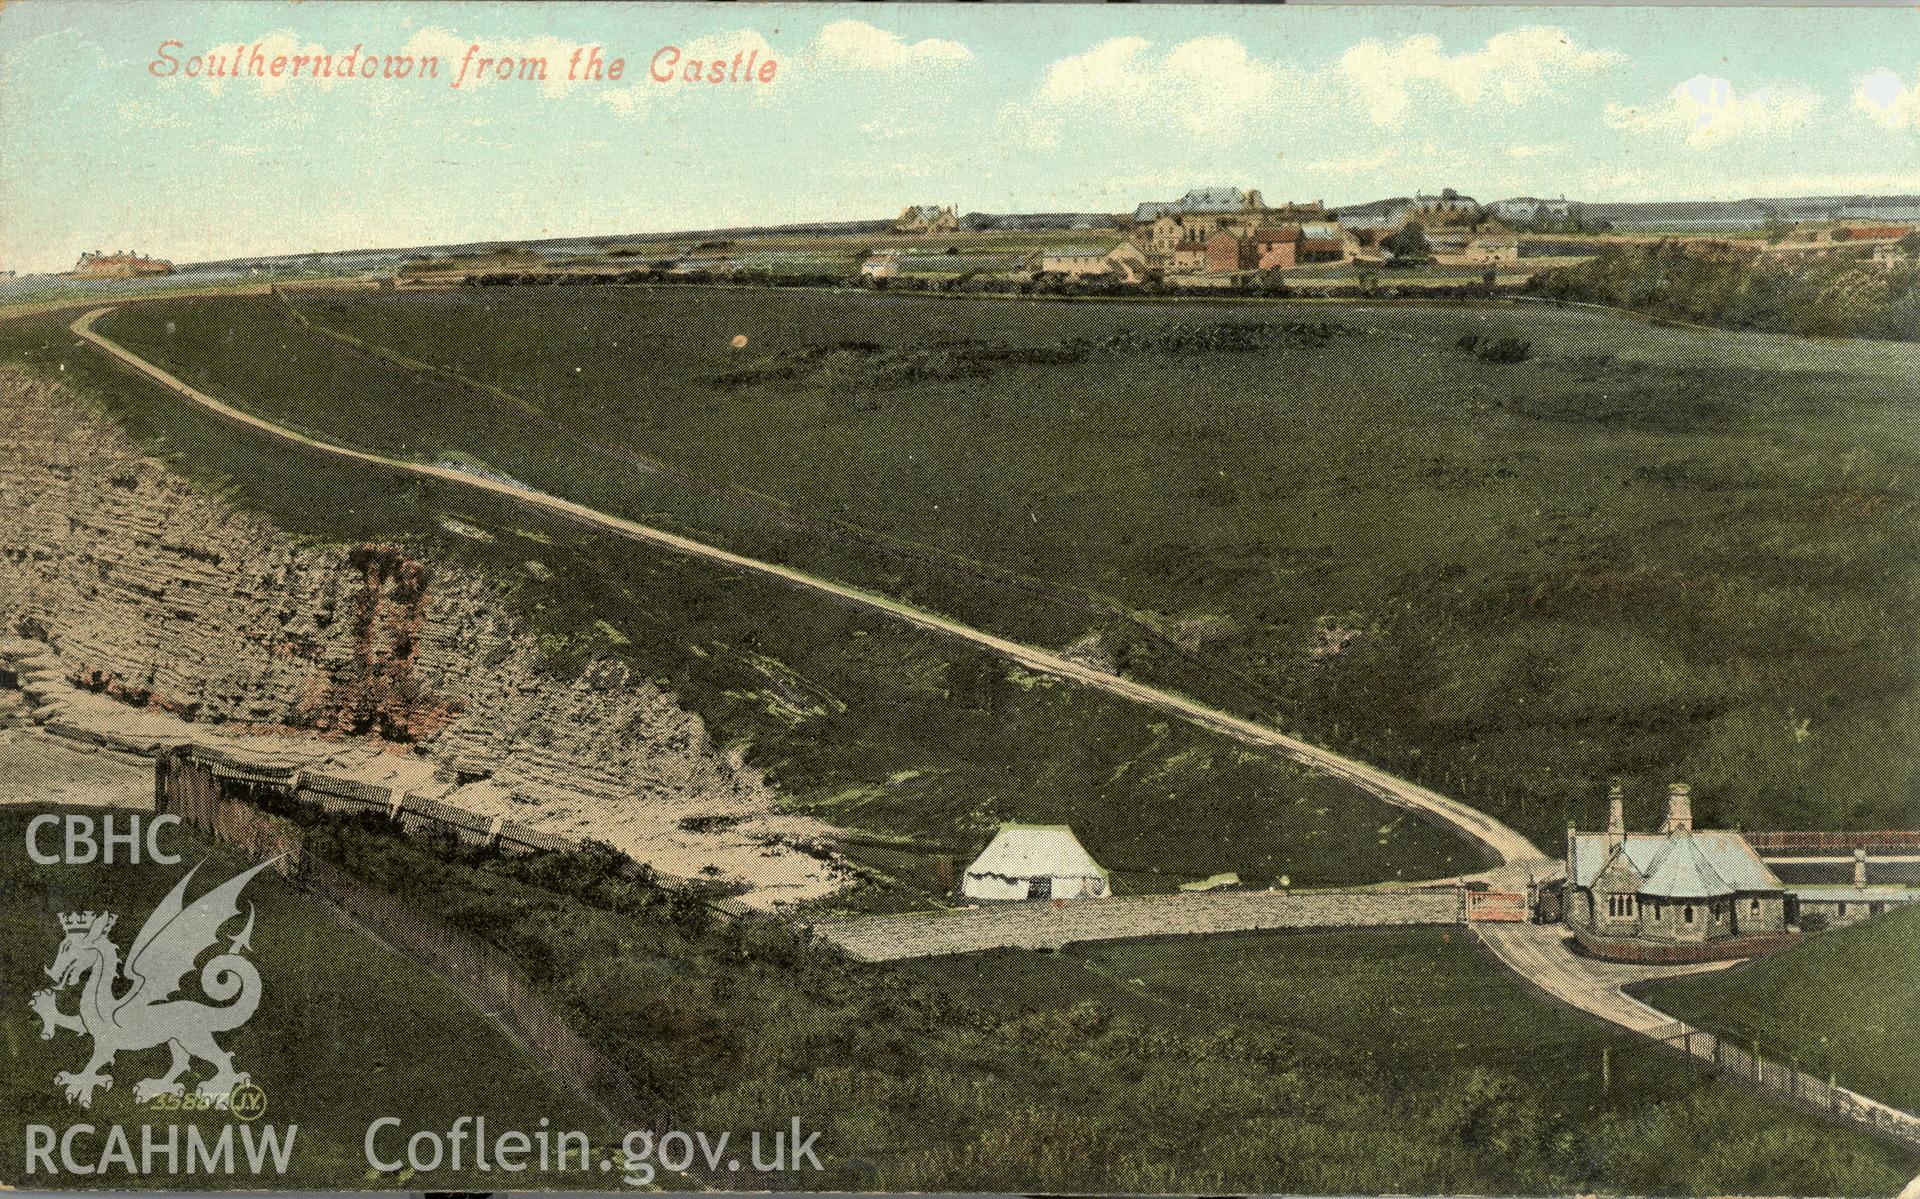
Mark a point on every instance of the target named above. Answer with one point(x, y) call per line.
point(1522, 209)
point(1461, 247)
point(1129, 261)
point(1162, 227)
point(927, 218)
point(1276, 247)
point(1202, 201)
point(1035, 861)
point(121, 264)
point(1228, 252)
point(1449, 207)
point(1124, 263)
point(1190, 257)
point(1670, 895)
point(1322, 242)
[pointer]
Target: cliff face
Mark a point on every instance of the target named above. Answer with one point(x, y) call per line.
point(176, 603)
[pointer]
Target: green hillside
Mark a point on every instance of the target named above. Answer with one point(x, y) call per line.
point(1639, 552)
point(1843, 1002)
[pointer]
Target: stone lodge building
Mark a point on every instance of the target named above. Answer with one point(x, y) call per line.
point(1671, 895)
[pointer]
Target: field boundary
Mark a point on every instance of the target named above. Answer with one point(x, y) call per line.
point(1784, 1081)
point(1056, 925)
point(1512, 848)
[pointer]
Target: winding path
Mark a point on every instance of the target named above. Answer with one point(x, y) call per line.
point(1513, 849)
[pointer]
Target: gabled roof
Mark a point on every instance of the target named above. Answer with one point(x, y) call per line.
point(1590, 855)
point(1707, 858)
point(1277, 233)
point(1681, 871)
point(1320, 231)
point(1036, 851)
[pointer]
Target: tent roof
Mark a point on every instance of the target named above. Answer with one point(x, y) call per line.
point(1036, 851)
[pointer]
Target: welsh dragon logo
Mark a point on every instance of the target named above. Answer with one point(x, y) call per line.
point(140, 1011)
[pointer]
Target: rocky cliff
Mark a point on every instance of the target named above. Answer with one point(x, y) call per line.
point(185, 609)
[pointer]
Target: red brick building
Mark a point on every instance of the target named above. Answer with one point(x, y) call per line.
point(1228, 252)
point(1276, 247)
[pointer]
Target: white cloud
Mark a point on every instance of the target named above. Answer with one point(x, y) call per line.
point(1707, 111)
point(1201, 87)
point(858, 46)
point(1516, 66)
point(1536, 151)
point(1888, 99)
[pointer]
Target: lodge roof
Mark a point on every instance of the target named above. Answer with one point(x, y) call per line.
point(1680, 865)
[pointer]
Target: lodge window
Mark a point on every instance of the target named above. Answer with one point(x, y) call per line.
point(1619, 906)
point(1753, 906)
point(1686, 914)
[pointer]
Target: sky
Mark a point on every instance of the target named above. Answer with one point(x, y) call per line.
point(107, 143)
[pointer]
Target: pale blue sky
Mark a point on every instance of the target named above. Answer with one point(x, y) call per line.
point(992, 108)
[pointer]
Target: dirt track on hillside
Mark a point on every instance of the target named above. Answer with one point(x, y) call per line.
point(1507, 843)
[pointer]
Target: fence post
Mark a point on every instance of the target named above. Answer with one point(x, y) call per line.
point(1606, 1068)
point(1759, 1075)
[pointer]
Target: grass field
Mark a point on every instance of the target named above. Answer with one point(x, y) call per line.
point(1642, 553)
point(1489, 1071)
point(916, 746)
point(1326, 1063)
point(1842, 1003)
point(346, 1031)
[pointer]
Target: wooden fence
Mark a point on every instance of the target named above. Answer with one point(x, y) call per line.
point(1750, 1064)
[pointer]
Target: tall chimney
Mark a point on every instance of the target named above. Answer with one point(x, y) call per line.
point(1679, 809)
point(1860, 867)
point(1616, 819)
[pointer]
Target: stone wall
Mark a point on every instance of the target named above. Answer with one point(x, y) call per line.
point(1051, 925)
point(179, 604)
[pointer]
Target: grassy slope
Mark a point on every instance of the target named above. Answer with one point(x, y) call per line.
point(1490, 1071)
point(1325, 1063)
point(346, 1031)
point(1843, 1003)
point(916, 744)
point(1649, 553)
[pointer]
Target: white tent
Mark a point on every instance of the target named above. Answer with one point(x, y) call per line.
point(1035, 861)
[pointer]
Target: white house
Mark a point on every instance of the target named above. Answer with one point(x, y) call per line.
point(1035, 861)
